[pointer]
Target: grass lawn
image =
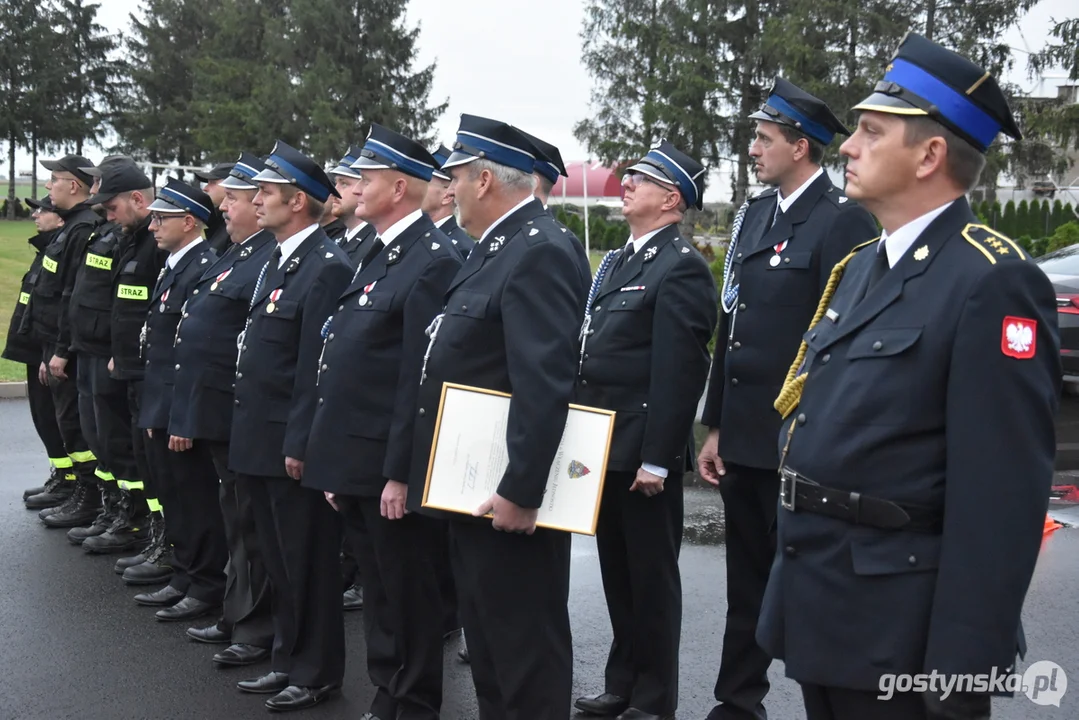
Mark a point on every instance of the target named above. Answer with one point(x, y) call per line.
point(15, 257)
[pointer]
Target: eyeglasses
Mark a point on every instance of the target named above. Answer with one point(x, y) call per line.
point(634, 179)
point(159, 218)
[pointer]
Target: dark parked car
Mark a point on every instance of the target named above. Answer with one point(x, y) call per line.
point(1062, 267)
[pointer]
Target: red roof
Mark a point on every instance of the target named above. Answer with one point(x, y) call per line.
point(603, 181)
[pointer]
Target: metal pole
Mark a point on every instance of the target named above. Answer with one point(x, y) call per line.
point(584, 171)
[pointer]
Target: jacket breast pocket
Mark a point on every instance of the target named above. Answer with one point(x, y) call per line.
point(469, 304)
point(792, 261)
point(872, 394)
point(883, 343)
point(279, 323)
point(627, 301)
point(892, 553)
point(230, 291)
point(373, 302)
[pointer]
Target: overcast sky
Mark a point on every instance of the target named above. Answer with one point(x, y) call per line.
point(521, 62)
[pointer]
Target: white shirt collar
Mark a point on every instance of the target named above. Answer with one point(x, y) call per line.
point(440, 223)
point(896, 244)
point(289, 246)
point(249, 237)
point(395, 230)
point(786, 202)
point(349, 234)
point(175, 257)
point(500, 220)
point(640, 242)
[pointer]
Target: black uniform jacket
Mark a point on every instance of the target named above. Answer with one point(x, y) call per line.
point(510, 324)
point(370, 371)
point(168, 299)
point(90, 309)
point(938, 389)
point(21, 346)
point(357, 247)
point(52, 291)
point(277, 372)
point(136, 269)
point(457, 235)
point(202, 395)
point(757, 342)
point(646, 354)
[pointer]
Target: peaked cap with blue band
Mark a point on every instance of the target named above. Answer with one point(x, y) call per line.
point(548, 160)
point(790, 105)
point(344, 165)
point(671, 166)
point(441, 156)
point(244, 170)
point(179, 198)
point(387, 150)
point(480, 138)
point(924, 78)
point(288, 166)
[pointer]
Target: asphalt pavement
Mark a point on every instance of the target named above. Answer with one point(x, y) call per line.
point(73, 644)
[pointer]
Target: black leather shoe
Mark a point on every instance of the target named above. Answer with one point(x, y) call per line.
point(164, 597)
point(271, 682)
point(635, 714)
point(126, 562)
point(602, 704)
point(241, 654)
point(212, 635)
point(187, 609)
point(295, 697)
point(353, 598)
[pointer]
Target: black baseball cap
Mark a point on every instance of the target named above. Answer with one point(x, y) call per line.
point(74, 164)
point(119, 175)
point(44, 203)
point(220, 171)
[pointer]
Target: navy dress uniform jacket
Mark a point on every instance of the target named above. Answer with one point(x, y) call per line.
point(278, 366)
point(162, 320)
point(357, 247)
point(370, 371)
point(457, 235)
point(938, 389)
point(757, 342)
point(136, 267)
point(206, 341)
point(646, 355)
point(510, 324)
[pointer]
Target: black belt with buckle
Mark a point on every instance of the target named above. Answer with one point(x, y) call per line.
point(800, 494)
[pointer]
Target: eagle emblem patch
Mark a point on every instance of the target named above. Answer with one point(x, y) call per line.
point(1019, 338)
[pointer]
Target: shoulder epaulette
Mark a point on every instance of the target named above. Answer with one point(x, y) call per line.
point(992, 244)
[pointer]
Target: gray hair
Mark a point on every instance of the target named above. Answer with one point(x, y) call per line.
point(511, 178)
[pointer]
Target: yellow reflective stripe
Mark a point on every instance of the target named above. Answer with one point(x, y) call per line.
point(69, 477)
point(104, 475)
point(153, 504)
point(131, 484)
point(49, 264)
point(83, 456)
point(60, 463)
point(97, 261)
point(132, 292)
point(24, 298)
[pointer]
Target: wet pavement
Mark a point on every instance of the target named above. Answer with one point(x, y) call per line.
point(73, 644)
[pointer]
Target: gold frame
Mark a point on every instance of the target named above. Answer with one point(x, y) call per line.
point(446, 386)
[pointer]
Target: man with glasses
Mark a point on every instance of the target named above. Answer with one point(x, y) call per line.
point(784, 244)
point(216, 234)
point(69, 190)
point(644, 354)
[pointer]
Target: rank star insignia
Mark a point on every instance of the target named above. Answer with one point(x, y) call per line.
point(577, 469)
point(650, 253)
point(921, 253)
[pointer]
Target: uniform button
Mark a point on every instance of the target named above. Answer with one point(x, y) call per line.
point(737, 345)
point(340, 308)
point(813, 336)
point(790, 551)
point(245, 348)
point(186, 314)
point(913, 560)
point(596, 308)
point(739, 255)
point(239, 376)
point(422, 412)
point(742, 306)
point(196, 292)
point(878, 345)
point(584, 382)
point(734, 381)
point(178, 340)
point(237, 401)
point(320, 401)
point(324, 368)
point(586, 356)
point(330, 337)
point(644, 405)
point(802, 419)
point(825, 358)
point(177, 366)
point(464, 308)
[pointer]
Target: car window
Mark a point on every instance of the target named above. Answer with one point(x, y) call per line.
point(1061, 262)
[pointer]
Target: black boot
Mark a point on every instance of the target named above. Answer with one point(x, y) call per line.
point(83, 507)
point(126, 531)
point(110, 508)
point(158, 565)
point(55, 475)
point(157, 527)
point(57, 491)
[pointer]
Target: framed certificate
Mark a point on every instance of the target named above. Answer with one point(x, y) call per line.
point(469, 458)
